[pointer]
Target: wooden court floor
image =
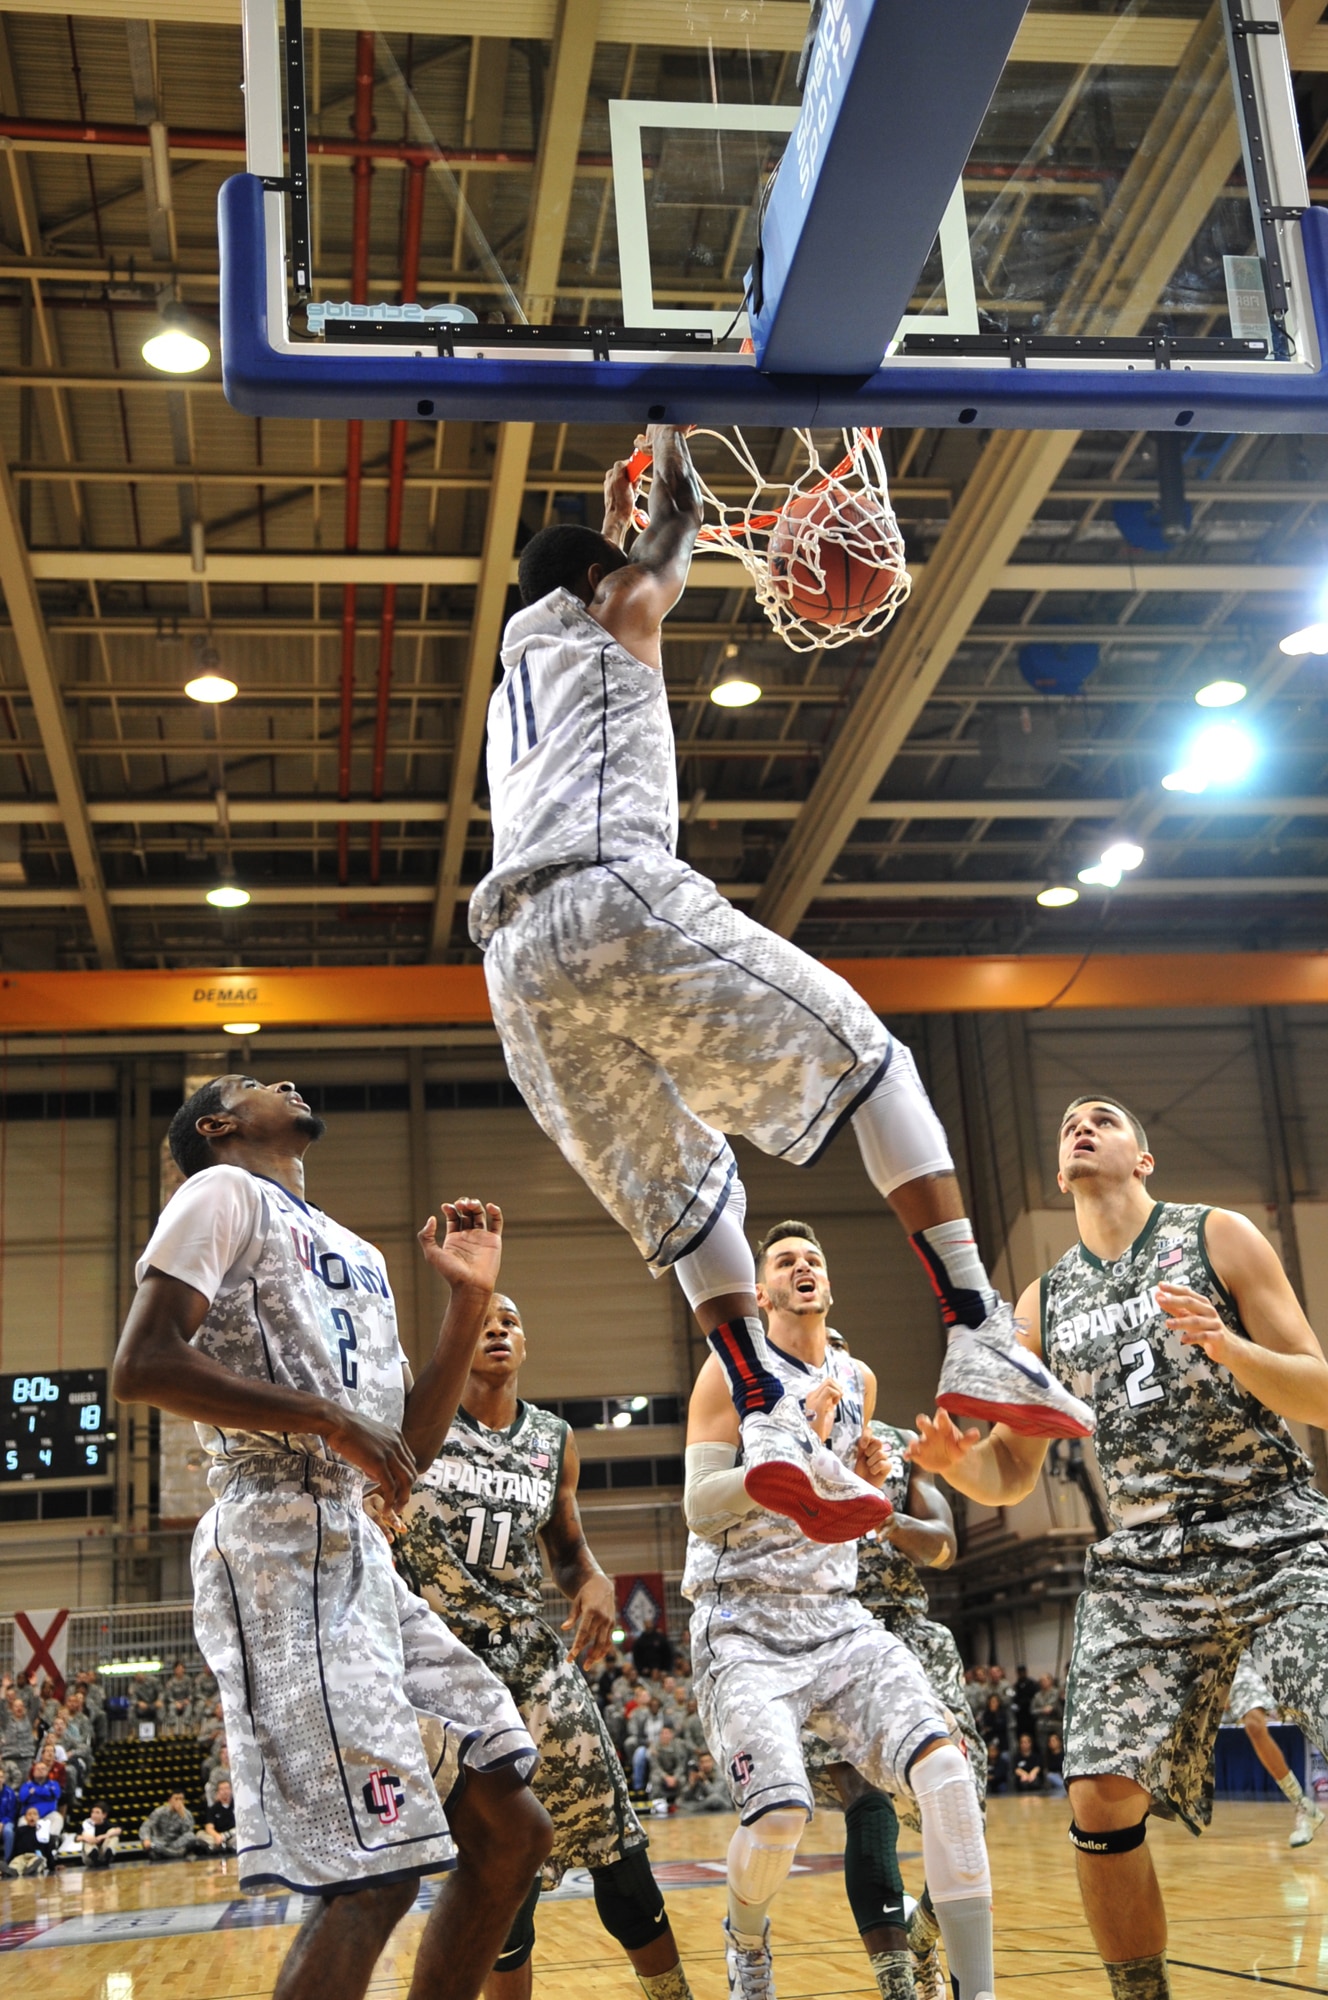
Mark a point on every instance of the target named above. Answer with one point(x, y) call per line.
point(1244, 1909)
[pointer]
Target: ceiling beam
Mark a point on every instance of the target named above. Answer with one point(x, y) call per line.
point(34, 652)
point(546, 231)
point(1173, 178)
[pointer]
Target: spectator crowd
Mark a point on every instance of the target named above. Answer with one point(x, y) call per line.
point(1020, 1721)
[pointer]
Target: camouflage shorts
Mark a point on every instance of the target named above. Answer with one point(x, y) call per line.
point(1165, 1615)
point(643, 1017)
point(862, 1694)
point(933, 1647)
point(350, 1708)
point(579, 1781)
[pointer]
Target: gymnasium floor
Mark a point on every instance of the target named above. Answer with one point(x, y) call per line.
point(1243, 1908)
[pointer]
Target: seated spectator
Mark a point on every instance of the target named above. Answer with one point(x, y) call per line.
point(998, 1761)
point(42, 1792)
point(17, 1741)
point(1029, 1775)
point(652, 1650)
point(94, 1704)
point(205, 1685)
point(99, 1839)
point(691, 1733)
point(219, 1821)
point(705, 1791)
point(145, 1698)
point(218, 1773)
point(609, 1669)
point(33, 1848)
point(1054, 1758)
point(1048, 1707)
point(30, 1696)
point(78, 1734)
point(169, 1834)
point(8, 1819)
point(668, 1768)
point(994, 1720)
point(615, 1721)
point(179, 1714)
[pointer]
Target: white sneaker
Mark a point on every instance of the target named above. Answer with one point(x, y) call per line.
point(789, 1471)
point(1308, 1821)
point(750, 1968)
point(988, 1374)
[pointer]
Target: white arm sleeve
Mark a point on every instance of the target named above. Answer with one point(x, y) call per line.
point(714, 1497)
point(206, 1231)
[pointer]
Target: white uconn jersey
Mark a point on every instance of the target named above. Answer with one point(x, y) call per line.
point(296, 1300)
point(580, 753)
point(765, 1555)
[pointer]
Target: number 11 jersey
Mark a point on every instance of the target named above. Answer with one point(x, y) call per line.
point(1176, 1433)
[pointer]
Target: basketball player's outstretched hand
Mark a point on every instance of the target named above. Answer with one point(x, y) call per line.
point(592, 1613)
point(619, 499)
point(470, 1250)
point(376, 1450)
point(940, 1443)
point(1197, 1321)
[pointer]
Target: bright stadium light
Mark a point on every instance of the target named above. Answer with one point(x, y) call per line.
point(241, 1027)
point(228, 896)
point(174, 348)
point(1221, 694)
point(1223, 753)
point(1124, 854)
point(1309, 639)
point(1059, 897)
point(1100, 876)
point(211, 688)
point(735, 693)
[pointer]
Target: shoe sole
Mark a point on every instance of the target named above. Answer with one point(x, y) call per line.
point(782, 1489)
point(1027, 1419)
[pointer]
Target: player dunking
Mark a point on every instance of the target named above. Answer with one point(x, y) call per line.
point(352, 1714)
point(781, 1644)
point(1178, 1322)
point(505, 1481)
point(643, 1016)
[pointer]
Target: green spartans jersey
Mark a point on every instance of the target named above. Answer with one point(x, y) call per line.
point(473, 1520)
point(888, 1581)
point(1175, 1432)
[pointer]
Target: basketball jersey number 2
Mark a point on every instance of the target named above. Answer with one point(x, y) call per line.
point(345, 1325)
point(1140, 1388)
point(479, 1518)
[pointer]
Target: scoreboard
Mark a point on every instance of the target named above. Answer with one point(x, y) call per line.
point(54, 1426)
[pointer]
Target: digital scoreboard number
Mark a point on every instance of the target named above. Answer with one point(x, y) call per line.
point(54, 1426)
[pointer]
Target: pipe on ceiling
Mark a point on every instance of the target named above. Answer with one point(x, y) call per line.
point(362, 169)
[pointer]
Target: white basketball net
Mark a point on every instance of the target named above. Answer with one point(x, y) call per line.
point(851, 507)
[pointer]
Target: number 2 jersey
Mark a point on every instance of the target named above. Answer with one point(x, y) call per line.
point(471, 1547)
point(295, 1299)
point(1176, 1433)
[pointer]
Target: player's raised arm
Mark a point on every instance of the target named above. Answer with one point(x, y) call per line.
point(632, 602)
point(996, 1470)
point(1282, 1362)
point(467, 1257)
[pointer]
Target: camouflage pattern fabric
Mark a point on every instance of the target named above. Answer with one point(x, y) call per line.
point(643, 1016)
point(350, 1708)
point(1166, 1612)
point(471, 1549)
point(1174, 1429)
point(1248, 1691)
point(890, 1587)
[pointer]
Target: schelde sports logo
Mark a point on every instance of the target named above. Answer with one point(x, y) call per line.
point(384, 1797)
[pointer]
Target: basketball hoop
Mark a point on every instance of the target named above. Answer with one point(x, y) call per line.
point(823, 550)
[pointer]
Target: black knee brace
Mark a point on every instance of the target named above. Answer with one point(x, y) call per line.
point(1116, 1840)
point(872, 1882)
point(521, 1938)
point(628, 1899)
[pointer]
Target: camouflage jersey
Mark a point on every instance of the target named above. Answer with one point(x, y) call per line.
point(764, 1556)
point(1176, 1433)
point(888, 1581)
point(473, 1521)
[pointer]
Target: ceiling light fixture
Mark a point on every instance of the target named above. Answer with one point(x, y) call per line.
point(1221, 694)
point(211, 687)
point(1223, 753)
point(1310, 639)
point(1123, 854)
point(1059, 897)
point(241, 1027)
point(228, 896)
point(735, 694)
point(174, 348)
point(1100, 876)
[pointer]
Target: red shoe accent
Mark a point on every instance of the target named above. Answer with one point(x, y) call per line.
point(1034, 1420)
point(784, 1489)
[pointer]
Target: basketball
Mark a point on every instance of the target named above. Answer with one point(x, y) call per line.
point(834, 556)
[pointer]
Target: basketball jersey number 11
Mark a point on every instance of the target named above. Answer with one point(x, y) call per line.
point(479, 1520)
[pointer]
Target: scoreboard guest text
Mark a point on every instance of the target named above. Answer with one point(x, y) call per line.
point(54, 1426)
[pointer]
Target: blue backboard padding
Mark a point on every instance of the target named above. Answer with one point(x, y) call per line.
point(322, 382)
point(894, 97)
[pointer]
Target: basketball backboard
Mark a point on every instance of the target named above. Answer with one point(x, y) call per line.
point(1130, 244)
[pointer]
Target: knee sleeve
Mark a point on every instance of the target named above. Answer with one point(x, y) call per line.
point(629, 1902)
point(760, 1855)
point(899, 1135)
point(724, 1261)
point(521, 1937)
point(872, 1882)
point(1115, 1840)
point(953, 1849)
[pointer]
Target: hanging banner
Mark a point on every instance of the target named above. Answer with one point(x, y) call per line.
point(41, 1640)
point(640, 1602)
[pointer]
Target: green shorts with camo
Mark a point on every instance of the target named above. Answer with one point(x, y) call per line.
point(1166, 1612)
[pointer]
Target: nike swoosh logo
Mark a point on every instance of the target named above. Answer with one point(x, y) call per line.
point(1033, 1370)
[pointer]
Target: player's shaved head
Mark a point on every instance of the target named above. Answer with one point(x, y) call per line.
point(560, 558)
point(1114, 1104)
